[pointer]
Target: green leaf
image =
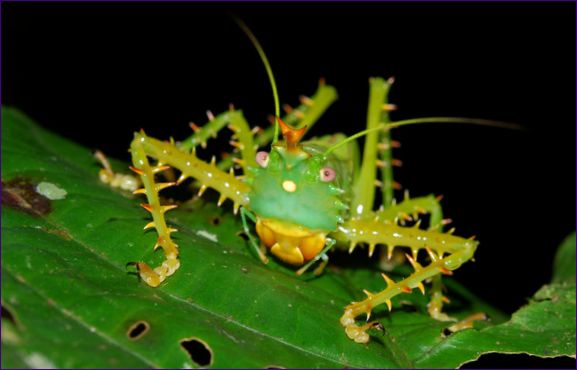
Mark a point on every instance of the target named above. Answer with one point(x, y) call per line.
point(69, 300)
point(545, 327)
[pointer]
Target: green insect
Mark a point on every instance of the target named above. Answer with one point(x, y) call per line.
point(306, 198)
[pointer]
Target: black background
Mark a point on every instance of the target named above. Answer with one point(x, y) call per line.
point(97, 72)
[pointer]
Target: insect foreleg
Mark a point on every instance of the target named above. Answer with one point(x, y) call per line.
point(190, 165)
point(154, 277)
point(374, 232)
point(322, 255)
point(207, 174)
point(244, 213)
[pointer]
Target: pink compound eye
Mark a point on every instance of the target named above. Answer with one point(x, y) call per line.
point(328, 174)
point(262, 159)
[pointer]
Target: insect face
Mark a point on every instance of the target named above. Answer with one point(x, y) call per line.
point(296, 197)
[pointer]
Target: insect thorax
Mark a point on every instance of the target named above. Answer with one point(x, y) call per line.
point(291, 189)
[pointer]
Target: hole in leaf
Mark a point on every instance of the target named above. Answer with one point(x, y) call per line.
point(138, 330)
point(7, 315)
point(215, 221)
point(274, 367)
point(198, 351)
point(446, 332)
point(243, 235)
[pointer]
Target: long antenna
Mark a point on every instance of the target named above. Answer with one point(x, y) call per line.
point(415, 121)
point(271, 79)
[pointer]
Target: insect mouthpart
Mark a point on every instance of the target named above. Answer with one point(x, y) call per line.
point(293, 244)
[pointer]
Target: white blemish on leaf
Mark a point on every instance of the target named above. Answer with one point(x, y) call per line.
point(205, 234)
point(51, 191)
point(37, 361)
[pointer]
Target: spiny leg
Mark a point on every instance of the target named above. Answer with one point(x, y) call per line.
point(201, 134)
point(364, 182)
point(408, 210)
point(208, 174)
point(377, 232)
point(385, 147)
point(246, 140)
point(154, 277)
point(411, 208)
point(408, 207)
point(260, 251)
point(378, 112)
point(435, 305)
point(306, 114)
point(243, 142)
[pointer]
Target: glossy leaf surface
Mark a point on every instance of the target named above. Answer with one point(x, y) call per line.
point(69, 299)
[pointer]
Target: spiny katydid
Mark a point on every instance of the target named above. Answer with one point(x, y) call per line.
point(308, 197)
